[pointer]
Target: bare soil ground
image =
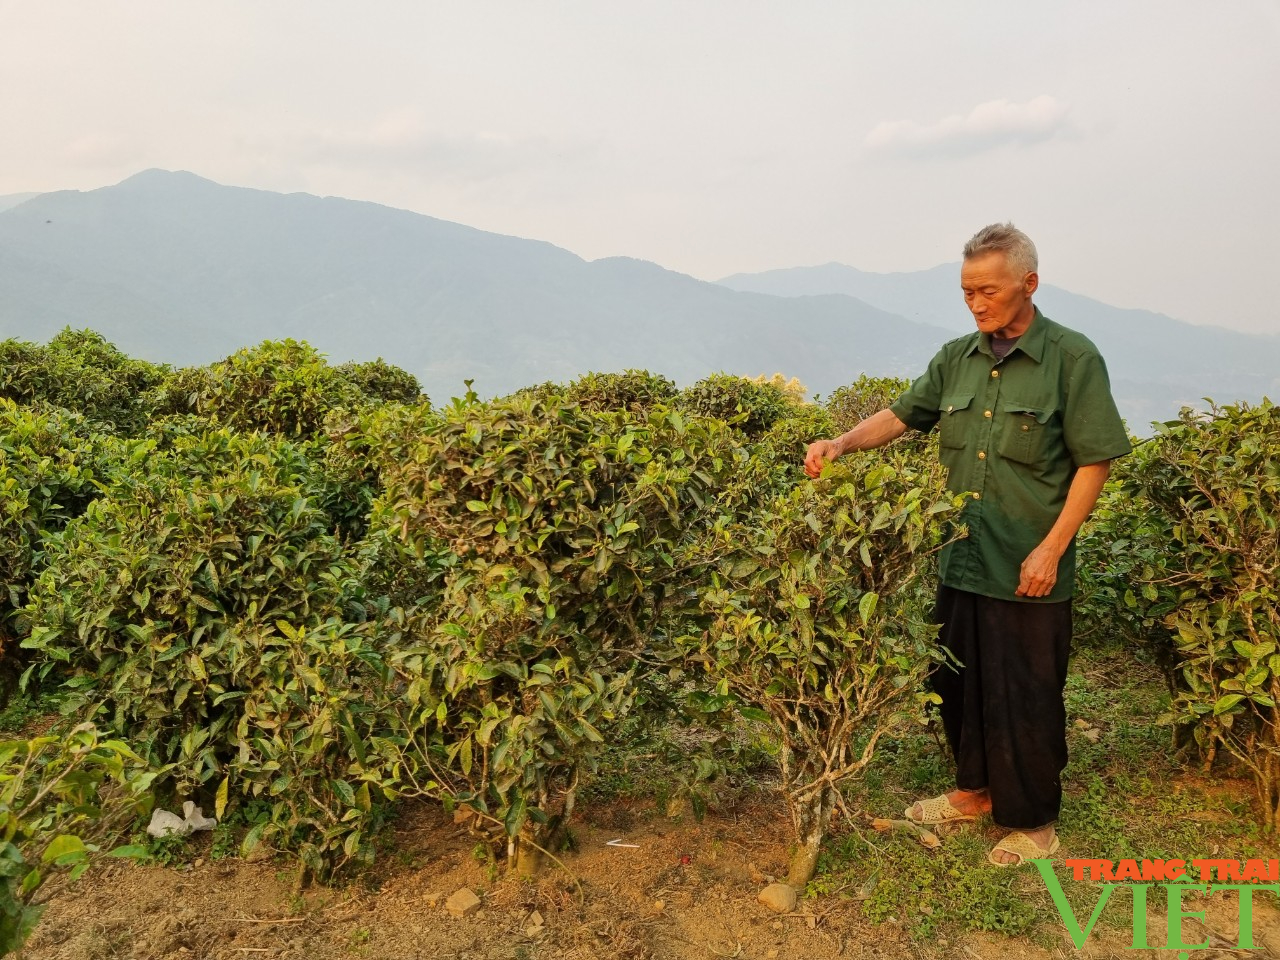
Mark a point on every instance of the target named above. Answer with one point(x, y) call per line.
point(685, 891)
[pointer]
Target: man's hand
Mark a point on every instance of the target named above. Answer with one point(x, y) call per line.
point(821, 452)
point(1039, 571)
point(875, 431)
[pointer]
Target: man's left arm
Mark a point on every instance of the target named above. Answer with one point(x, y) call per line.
point(1040, 569)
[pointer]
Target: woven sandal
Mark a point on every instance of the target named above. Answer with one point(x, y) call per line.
point(1022, 847)
point(937, 810)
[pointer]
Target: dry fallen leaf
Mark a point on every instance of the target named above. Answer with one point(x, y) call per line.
point(925, 836)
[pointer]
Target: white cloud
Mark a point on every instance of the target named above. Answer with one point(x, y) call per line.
point(987, 126)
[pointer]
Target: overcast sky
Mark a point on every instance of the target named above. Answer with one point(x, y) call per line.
point(1136, 141)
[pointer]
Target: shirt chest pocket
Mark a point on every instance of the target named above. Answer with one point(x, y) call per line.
point(1029, 432)
point(955, 417)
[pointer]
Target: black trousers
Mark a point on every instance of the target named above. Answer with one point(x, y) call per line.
point(1002, 709)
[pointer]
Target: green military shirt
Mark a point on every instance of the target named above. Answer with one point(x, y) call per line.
point(1012, 433)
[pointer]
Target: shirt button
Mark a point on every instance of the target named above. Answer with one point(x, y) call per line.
point(1026, 427)
point(986, 413)
point(995, 373)
point(982, 454)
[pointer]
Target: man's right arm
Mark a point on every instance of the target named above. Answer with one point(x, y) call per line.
point(875, 431)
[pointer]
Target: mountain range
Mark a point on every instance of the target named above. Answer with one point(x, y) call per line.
point(174, 268)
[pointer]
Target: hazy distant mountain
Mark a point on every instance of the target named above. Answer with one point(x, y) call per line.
point(13, 199)
point(927, 296)
point(176, 268)
point(1157, 364)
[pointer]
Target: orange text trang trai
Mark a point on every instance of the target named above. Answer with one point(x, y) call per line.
point(1173, 871)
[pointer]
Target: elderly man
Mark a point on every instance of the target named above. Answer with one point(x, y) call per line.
point(1027, 427)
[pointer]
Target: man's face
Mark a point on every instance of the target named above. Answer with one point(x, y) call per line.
point(999, 299)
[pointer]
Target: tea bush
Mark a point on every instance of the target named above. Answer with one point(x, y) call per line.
point(201, 610)
point(382, 382)
point(566, 525)
point(636, 391)
point(747, 405)
point(146, 596)
point(849, 405)
point(779, 452)
point(310, 710)
point(815, 617)
point(49, 462)
point(61, 797)
point(179, 394)
point(80, 371)
point(359, 446)
point(299, 589)
point(1201, 513)
point(1119, 565)
point(283, 387)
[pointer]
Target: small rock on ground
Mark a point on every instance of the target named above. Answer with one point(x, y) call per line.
point(778, 897)
point(463, 903)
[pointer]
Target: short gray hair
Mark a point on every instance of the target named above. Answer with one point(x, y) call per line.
point(1019, 251)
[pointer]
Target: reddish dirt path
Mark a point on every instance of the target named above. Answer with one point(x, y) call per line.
point(686, 892)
